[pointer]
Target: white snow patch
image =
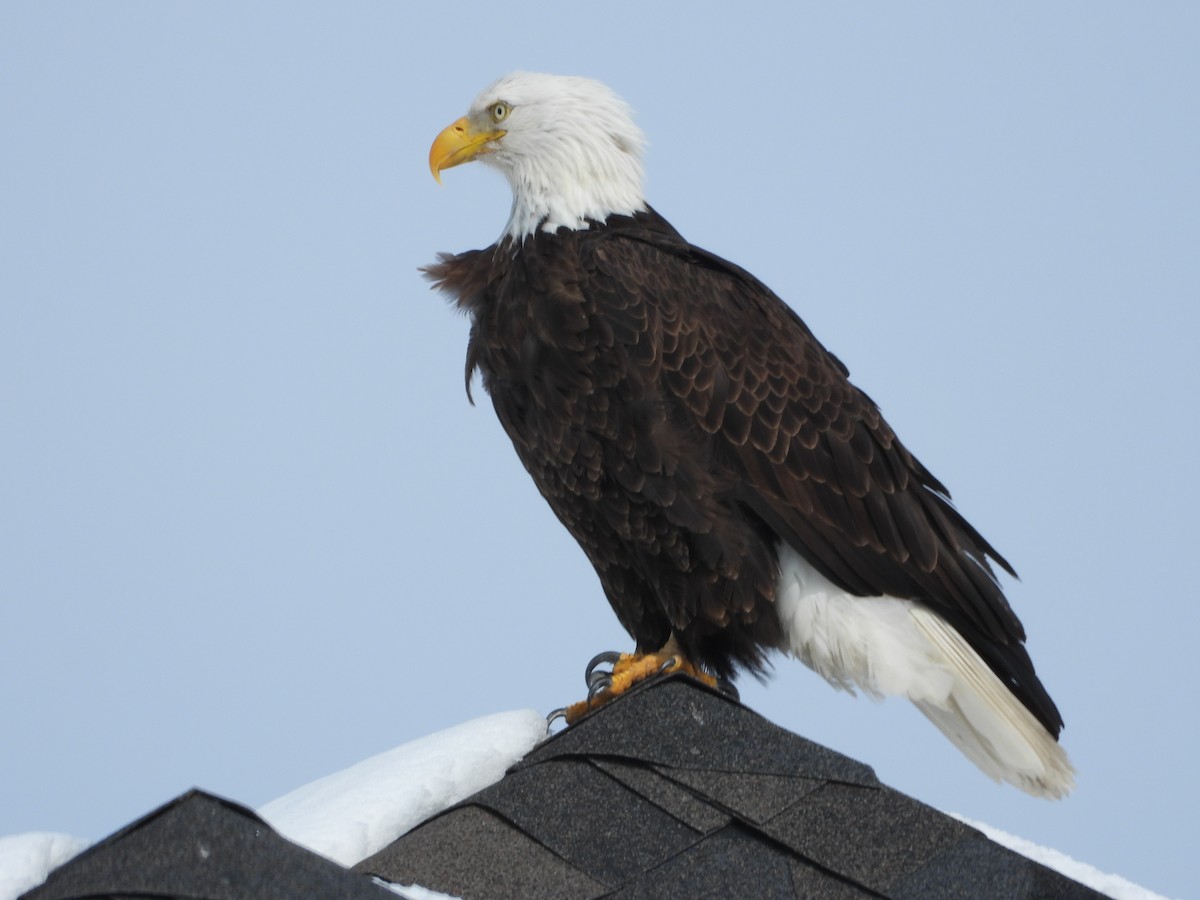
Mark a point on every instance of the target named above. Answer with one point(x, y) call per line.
point(414, 891)
point(26, 859)
point(351, 814)
point(1110, 885)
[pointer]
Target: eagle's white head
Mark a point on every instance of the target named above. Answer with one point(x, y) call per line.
point(568, 147)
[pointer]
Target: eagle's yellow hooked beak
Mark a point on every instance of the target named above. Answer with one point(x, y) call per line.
point(459, 143)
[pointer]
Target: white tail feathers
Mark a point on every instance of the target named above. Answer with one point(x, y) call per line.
point(890, 647)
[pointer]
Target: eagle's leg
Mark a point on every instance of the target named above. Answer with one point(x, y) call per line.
point(630, 668)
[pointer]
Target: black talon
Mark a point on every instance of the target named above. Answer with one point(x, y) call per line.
point(560, 713)
point(673, 663)
point(598, 679)
point(608, 656)
point(601, 682)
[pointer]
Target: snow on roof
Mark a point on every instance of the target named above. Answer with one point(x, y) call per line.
point(353, 813)
point(26, 859)
point(1113, 885)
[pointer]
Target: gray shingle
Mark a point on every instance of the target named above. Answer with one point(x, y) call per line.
point(584, 815)
point(812, 883)
point(978, 867)
point(874, 836)
point(472, 852)
point(677, 800)
point(730, 863)
point(755, 798)
point(678, 723)
point(202, 846)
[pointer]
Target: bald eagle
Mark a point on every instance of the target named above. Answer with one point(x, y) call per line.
point(736, 494)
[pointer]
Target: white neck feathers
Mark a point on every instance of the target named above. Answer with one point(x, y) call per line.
point(571, 152)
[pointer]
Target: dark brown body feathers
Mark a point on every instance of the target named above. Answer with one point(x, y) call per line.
point(681, 421)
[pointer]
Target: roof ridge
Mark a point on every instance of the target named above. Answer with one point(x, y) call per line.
point(674, 791)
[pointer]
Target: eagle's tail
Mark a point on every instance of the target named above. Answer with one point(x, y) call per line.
point(887, 647)
point(987, 723)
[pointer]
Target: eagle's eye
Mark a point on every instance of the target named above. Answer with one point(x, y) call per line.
point(500, 111)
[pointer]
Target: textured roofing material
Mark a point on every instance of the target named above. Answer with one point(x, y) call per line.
point(671, 791)
point(200, 846)
point(674, 791)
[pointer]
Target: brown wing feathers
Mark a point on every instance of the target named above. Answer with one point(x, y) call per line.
point(680, 419)
point(814, 447)
point(815, 459)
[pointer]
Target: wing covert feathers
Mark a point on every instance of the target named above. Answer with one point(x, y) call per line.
point(809, 454)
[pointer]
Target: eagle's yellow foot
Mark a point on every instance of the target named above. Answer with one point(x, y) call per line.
point(627, 670)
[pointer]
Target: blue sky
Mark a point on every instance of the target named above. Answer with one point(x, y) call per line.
point(252, 531)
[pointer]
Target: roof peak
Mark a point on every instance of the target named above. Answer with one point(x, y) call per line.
point(672, 790)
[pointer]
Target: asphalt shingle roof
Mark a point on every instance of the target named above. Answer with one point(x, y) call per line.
point(674, 791)
point(202, 847)
point(671, 791)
